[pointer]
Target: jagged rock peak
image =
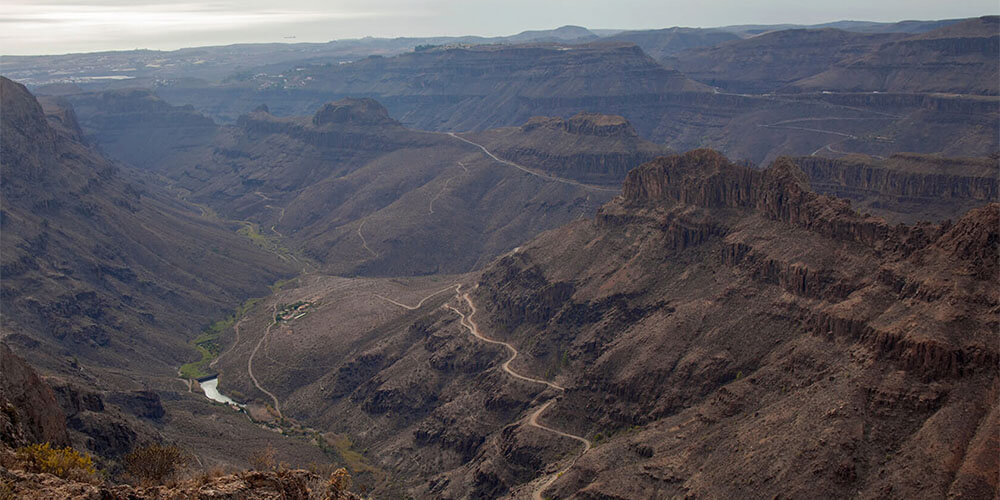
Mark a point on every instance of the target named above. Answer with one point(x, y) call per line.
point(705, 177)
point(262, 109)
point(365, 111)
point(594, 124)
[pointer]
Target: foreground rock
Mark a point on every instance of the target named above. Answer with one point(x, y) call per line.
point(249, 485)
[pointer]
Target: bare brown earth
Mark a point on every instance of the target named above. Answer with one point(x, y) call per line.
point(355, 192)
point(717, 331)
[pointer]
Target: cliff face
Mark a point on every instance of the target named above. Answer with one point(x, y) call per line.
point(769, 61)
point(353, 111)
point(713, 307)
point(349, 125)
point(589, 147)
point(906, 187)
point(94, 260)
point(29, 412)
point(960, 58)
point(711, 322)
point(137, 127)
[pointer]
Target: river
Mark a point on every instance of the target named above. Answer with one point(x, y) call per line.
point(211, 388)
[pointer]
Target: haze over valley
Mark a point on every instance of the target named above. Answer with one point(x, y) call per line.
point(755, 260)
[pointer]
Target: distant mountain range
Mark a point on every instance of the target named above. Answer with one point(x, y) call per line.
point(217, 62)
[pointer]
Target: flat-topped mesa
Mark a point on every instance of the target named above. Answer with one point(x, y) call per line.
point(365, 111)
point(705, 178)
point(358, 124)
point(594, 124)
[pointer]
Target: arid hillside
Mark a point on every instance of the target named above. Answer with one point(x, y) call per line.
point(355, 192)
point(98, 263)
point(711, 331)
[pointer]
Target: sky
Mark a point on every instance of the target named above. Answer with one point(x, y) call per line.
point(66, 26)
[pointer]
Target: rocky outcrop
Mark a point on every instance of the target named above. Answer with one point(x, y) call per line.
point(589, 147)
point(594, 124)
point(974, 240)
point(248, 485)
point(960, 58)
point(365, 111)
point(735, 295)
point(29, 411)
point(924, 185)
point(707, 179)
point(348, 124)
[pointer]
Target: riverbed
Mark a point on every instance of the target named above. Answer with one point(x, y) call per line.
point(211, 389)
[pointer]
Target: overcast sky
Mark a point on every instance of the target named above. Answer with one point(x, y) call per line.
point(62, 26)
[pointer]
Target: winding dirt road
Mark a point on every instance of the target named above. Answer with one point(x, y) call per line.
point(531, 171)
point(456, 286)
point(277, 406)
point(365, 243)
point(806, 129)
point(473, 328)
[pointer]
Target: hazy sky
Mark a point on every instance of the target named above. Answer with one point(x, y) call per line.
point(61, 26)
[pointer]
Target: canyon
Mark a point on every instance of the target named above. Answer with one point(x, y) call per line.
point(569, 263)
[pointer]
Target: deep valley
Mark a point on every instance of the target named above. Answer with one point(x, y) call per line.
point(755, 261)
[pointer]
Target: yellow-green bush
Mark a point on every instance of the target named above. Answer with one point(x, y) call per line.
point(66, 462)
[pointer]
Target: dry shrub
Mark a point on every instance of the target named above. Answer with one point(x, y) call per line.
point(154, 463)
point(66, 463)
point(6, 490)
point(264, 459)
point(338, 485)
point(207, 476)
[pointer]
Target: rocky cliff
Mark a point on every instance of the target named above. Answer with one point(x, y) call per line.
point(137, 127)
point(589, 147)
point(960, 58)
point(97, 263)
point(906, 187)
point(772, 60)
point(712, 305)
point(30, 412)
point(713, 328)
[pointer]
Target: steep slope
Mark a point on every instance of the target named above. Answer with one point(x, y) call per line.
point(588, 147)
point(663, 43)
point(104, 280)
point(906, 187)
point(101, 266)
point(356, 192)
point(136, 127)
point(746, 324)
point(961, 58)
point(30, 413)
point(772, 60)
point(715, 331)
